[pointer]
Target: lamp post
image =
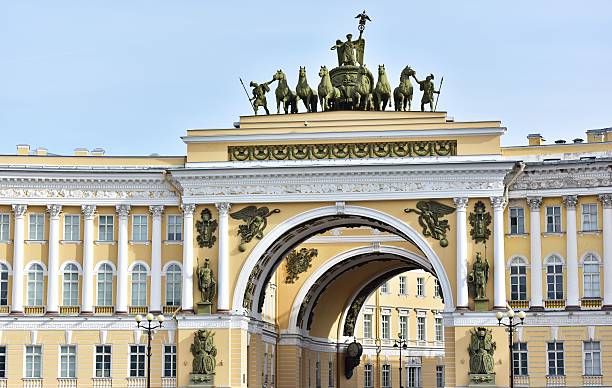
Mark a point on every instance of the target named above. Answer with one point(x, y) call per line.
point(511, 328)
point(149, 327)
point(401, 344)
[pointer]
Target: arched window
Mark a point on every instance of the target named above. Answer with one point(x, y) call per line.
point(554, 278)
point(105, 285)
point(590, 269)
point(173, 285)
point(518, 279)
point(70, 289)
point(4, 274)
point(139, 285)
point(35, 285)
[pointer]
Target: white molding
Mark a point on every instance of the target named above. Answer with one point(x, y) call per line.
point(353, 239)
point(341, 135)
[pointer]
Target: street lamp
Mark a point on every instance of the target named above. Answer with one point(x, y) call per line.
point(511, 328)
point(401, 344)
point(149, 327)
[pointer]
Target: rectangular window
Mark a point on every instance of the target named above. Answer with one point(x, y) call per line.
point(402, 285)
point(70, 288)
point(140, 228)
point(72, 227)
point(175, 228)
point(589, 217)
point(386, 376)
point(367, 375)
point(37, 227)
point(169, 361)
point(437, 289)
point(386, 326)
point(367, 325)
point(518, 282)
point(420, 286)
point(517, 220)
point(403, 323)
point(519, 358)
point(5, 227)
point(553, 219)
point(384, 288)
point(439, 376)
point(439, 329)
point(68, 361)
point(318, 374)
point(330, 374)
point(106, 228)
point(556, 363)
point(2, 362)
point(33, 362)
point(592, 358)
point(137, 360)
point(103, 361)
point(414, 376)
point(421, 329)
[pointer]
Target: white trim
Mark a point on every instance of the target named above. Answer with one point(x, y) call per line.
point(588, 253)
point(549, 256)
point(65, 263)
point(99, 264)
point(135, 263)
point(388, 134)
point(287, 225)
point(8, 266)
point(30, 263)
point(168, 264)
point(510, 261)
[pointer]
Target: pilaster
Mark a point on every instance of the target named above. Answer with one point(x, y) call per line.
point(122, 260)
point(89, 212)
point(53, 260)
point(223, 300)
point(19, 212)
point(536, 302)
point(499, 273)
point(606, 200)
point(573, 293)
point(187, 295)
point(156, 256)
point(462, 255)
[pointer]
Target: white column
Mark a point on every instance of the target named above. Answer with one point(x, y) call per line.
point(536, 302)
point(156, 266)
point(462, 254)
point(499, 269)
point(573, 294)
point(88, 259)
point(187, 293)
point(53, 262)
point(122, 259)
point(223, 298)
point(18, 244)
point(606, 200)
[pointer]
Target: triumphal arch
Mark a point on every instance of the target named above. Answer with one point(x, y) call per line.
point(272, 245)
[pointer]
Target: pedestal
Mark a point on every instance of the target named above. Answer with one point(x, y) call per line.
point(481, 304)
point(482, 380)
point(204, 308)
point(201, 380)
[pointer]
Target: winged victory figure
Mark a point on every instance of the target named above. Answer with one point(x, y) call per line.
point(430, 213)
point(255, 221)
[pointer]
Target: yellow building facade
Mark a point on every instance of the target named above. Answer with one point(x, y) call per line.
point(88, 241)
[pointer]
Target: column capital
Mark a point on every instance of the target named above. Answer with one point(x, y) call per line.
point(20, 210)
point(223, 207)
point(570, 201)
point(498, 203)
point(88, 210)
point(123, 210)
point(460, 203)
point(534, 203)
point(54, 210)
point(157, 210)
point(606, 200)
point(188, 208)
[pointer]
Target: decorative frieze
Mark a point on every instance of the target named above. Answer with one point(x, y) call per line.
point(397, 149)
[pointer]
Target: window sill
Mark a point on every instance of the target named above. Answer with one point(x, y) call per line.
point(589, 232)
point(74, 242)
point(6, 242)
point(553, 234)
point(35, 241)
point(515, 235)
point(134, 242)
point(102, 242)
point(173, 242)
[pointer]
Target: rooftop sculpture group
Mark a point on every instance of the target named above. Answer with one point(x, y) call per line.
point(350, 86)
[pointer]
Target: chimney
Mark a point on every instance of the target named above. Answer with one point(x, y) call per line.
point(41, 151)
point(608, 134)
point(535, 139)
point(23, 149)
point(97, 152)
point(595, 135)
point(81, 152)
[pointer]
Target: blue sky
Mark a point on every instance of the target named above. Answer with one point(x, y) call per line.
point(132, 76)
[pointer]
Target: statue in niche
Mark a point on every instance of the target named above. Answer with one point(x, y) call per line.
point(478, 277)
point(481, 351)
point(204, 354)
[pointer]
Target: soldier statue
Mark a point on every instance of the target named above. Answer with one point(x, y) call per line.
point(428, 89)
point(479, 277)
point(206, 282)
point(259, 95)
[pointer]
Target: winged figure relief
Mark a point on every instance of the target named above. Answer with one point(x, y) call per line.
point(430, 218)
point(255, 221)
